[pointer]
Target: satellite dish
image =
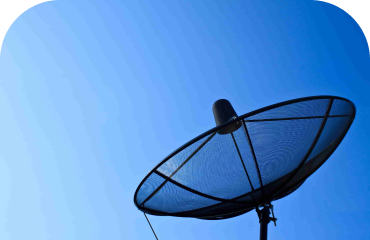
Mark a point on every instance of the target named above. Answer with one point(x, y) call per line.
point(246, 162)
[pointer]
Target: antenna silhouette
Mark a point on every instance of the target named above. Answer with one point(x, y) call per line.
point(248, 161)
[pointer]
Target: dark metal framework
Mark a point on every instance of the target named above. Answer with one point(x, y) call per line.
point(241, 159)
point(279, 191)
point(253, 153)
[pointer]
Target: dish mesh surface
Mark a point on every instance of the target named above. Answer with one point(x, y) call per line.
point(220, 176)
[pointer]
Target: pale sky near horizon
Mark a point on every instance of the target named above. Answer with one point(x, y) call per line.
point(94, 94)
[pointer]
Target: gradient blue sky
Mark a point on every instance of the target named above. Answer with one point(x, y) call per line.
point(95, 93)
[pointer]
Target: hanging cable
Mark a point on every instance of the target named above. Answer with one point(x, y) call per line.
point(150, 226)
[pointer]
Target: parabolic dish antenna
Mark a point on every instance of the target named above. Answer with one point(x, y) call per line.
point(246, 162)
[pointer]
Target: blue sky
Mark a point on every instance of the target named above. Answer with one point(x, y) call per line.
point(95, 93)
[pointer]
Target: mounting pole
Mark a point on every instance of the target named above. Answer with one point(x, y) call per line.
point(264, 217)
